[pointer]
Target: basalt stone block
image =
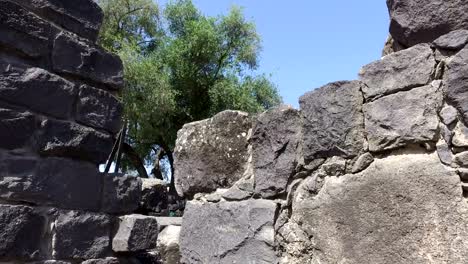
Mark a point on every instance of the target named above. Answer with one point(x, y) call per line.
point(22, 31)
point(37, 89)
point(66, 139)
point(454, 40)
point(400, 206)
point(398, 71)
point(82, 17)
point(211, 153)
point(58, 182)
point(403, 118)
point(275, 138)
point(421, 21)
point(121, 194)
point(102, 261)
point(16, 128)
point(81, 235)
point(456, 87)
point(154, 195)
point(332, 122)
point(22, 231)
point(168, 245)
point(83, 59)
point(98, 108)
point(228, 232)
point(135, 233)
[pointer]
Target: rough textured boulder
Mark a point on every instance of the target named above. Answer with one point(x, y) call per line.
point(275, 138)
point(52, 181)
point(22, 31)
point(67, 139)
point(99, 109)
point(121, 193)
point(83, 17)
point(135, 233)
point(211, 153)
point(228, 232)
point(421, 21)
point(81, 235)
point(456, 86)
point(16, 128)
point(168, 245)
point(332, 120)
point(398, 71)
point(403, 209)
point(71, 56)
point(454, 40)
point(403, 118)
point(21, 230)
point(36, 88)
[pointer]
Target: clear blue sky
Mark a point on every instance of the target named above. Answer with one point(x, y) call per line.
point(308, 43)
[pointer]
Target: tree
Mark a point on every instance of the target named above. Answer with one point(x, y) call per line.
point(182, 66)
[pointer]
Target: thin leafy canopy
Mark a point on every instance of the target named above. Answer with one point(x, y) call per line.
point(182, 66)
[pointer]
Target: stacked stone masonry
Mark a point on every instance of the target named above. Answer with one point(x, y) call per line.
point(59, 115)
point(373, 170)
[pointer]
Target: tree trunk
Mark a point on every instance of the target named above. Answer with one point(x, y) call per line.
point(135, 159)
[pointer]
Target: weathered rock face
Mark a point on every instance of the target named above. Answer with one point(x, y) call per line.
point(168, 245)
point(398, 71)
point(228, 232)
point(216, 147)
point(275, 138)
point(402, 209)
point(419, 21)
point(332, 121)
point(135, 233)
point(403, 118)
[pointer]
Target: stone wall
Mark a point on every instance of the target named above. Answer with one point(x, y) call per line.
point(367, 171)
point(58, 117)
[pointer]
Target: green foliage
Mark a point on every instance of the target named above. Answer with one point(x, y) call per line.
point(182, 66)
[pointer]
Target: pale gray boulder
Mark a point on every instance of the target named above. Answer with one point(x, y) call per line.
point(405, 208)
point(456, 87)
point(211, 153)
point(228, 232)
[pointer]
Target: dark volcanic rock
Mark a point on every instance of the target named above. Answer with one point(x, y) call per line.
point(98, 108)
point(274, 140)
point(82, 17)
point(403, 209)
point(154, 195)
point(121, 194)
point(16, 128)
point(421, 21)
point(403, 118)
point(53, 181)
point(398, 71)
point(228, 232)
point(81, 235)
point(333, 123)
point(22, 231)
point(37, 89)
point(456, 86)
point(66, 139)
point(454, 40)
point(211, 153)
point(22, 31)
point(72, 56)
point(135, 233)
point(102, 261)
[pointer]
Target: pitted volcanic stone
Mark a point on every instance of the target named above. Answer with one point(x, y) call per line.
point(403, 118)
point(121, 193)
point(398, 71)
point(454, 40)
point(22, 230)
point(421, 21)
point(274, 140)
point(136, 233)
point(456, 87)
point(81, 235)
point(332, 122)
point(16, 128)
point(82, 17)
